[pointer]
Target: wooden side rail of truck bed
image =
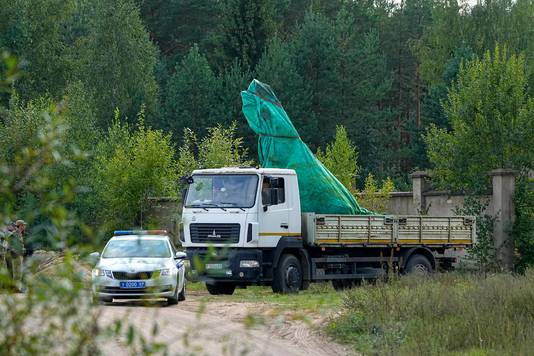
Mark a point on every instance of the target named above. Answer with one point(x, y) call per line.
point(383, 230)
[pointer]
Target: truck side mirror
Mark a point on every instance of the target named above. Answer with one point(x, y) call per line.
point(187, 180)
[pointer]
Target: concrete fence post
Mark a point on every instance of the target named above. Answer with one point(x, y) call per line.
point(503, 181)
point(420, 185)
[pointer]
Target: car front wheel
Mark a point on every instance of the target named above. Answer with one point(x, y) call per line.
point(181, 296)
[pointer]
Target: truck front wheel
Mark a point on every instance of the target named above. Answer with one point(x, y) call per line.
point(288, 275)
point(218, 288)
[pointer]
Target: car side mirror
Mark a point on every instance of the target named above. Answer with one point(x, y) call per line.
point(180, 255)
point(93, 258)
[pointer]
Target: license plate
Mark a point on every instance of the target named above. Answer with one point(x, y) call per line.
point(214, 266)
point(133, 284)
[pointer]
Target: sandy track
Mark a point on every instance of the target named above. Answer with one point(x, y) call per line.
point(221, 328)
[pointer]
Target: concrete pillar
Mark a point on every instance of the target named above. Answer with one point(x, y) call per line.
point(503, 181)
point(420, 184)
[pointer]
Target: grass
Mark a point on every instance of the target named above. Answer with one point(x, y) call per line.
point(319, 299)
point(449, 314)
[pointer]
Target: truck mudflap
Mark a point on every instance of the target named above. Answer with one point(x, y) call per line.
point(237, 266)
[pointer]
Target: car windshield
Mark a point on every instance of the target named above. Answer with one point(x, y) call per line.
point(137, 248)
point(223, 190)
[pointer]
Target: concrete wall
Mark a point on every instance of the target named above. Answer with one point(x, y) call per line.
point(437, 203)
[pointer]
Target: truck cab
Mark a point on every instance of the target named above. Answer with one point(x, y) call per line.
point(242, 215)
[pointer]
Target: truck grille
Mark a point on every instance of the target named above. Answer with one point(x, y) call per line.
point(215, 233)
point(132, 276)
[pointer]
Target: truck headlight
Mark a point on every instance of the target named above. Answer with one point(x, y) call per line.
point(249, 264)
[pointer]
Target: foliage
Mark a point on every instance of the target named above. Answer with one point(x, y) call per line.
point(220, 148)
point(191, 95)
point(341, 158)
point(116, 60)
point(449, 314)
point(56, 312)
point(131, 166)
point(491, 116)
point(483, 252)
point(245, 27)
point(523, 229)
point(33, 31)
point(374, 198)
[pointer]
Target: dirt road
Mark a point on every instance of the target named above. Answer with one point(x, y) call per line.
point(221, 328)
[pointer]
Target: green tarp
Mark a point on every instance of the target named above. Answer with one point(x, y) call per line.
point(279, 146)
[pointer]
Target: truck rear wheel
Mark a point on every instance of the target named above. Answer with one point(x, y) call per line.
point(288, 275)
point(219, 288)
point(419, 265)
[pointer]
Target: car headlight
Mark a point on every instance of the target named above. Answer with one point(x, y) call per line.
point(249, 264)
point(98, 272)
point(165, 272)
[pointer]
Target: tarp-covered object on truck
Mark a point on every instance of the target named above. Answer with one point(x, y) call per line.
point(280, 146)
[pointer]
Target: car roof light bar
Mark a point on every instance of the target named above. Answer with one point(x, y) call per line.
point(139, 232)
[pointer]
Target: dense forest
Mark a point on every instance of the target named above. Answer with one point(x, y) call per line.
point(147, 84)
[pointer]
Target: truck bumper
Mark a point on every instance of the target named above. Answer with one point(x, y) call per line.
point(226, 265)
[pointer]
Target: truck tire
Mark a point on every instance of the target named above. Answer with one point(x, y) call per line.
point(419, 265)
point(288, 275)
point(219, 288)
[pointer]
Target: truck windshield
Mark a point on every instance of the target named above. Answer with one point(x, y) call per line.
point(222, 191)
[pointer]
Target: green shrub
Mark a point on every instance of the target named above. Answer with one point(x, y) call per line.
point(523, 229)
point(483, 251)
point(130, 167)
point(449, 314)
point(220, 148)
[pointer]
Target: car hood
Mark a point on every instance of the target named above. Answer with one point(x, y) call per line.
point(133, 264)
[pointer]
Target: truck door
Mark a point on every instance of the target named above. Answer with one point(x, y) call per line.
point(274, 222)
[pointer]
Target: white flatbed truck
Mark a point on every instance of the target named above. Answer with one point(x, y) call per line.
point(245, 226)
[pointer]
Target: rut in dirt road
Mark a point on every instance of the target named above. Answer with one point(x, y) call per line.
point(218, 330)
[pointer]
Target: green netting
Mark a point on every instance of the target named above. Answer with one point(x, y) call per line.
point(279, 146)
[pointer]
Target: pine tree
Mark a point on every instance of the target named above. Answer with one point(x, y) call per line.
point(191, 96)
point(278, 68)
point(363, 85)
point(245, 28)
point(315, 53)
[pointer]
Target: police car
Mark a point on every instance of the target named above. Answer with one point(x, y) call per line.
point(139, 264)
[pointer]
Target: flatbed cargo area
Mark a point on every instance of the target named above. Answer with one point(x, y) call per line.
point(380, 231)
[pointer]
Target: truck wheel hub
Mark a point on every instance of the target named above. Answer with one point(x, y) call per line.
point(292, 276)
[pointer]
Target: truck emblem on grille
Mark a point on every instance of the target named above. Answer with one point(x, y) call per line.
point(214, 235)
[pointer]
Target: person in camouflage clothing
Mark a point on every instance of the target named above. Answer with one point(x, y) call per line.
point(13, 249)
